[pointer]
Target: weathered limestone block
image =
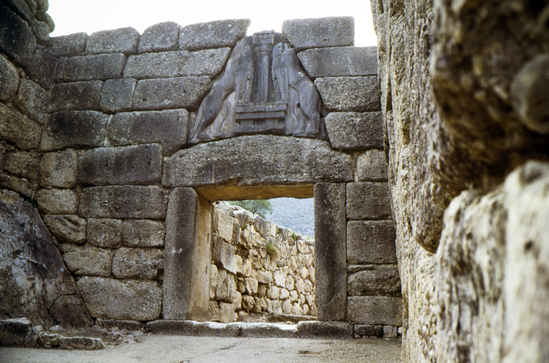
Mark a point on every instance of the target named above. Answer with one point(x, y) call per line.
point(244, 217)
point(19, 185)
point(208, 62)
point(33, 278)
point(159, 37)
point(16, 38)
point(57, 201)
point(355, 131)
point(279, 278)
point(74, 129)
point(372, 166)
point(138, 202)
point(324, 329)
point(75, 96)
point(319, 33)
point(380, 280)
point(368, 201)
point(215, 34)
point(141, 165)
point(137, 263)
point(22, 163)
point(104, 232)
point(18, 129)
point(117, 95)
point(90, 67)
point(292, 160)
point(123, 40)
point(31, 100)
point(374, 310)
point(330, 251)
point(221, 287)
point(264, 277)
point(59, 169)
point(89, 261)
point(123, 300)
point(188, 256)
point(143, 233)
point(371, 242)
point(42, 67)
point(67, 228)
point(341, 61)
point(223, 224)
point(356, 94)
point(166, 127)
point(9, 81)
point(160, 94)
point(68, 45)
point(224, 255)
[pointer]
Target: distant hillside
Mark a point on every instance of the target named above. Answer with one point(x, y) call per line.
point(295, 214)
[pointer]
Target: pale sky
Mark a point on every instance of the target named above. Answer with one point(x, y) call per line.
point(74, 16)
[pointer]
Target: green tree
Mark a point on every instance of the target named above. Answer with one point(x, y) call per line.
point(256, 206)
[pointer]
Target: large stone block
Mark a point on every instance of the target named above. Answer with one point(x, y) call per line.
point(68, 45)
point(23, 164)
point(257, 160)
point(224, 255)
point(330, 251)
point(42, 66)
point(59, 169)
point(9, 80)
point(166, 127)
point(324, 329)
point(16, 38)
point(122, 300)
point(104, 232)
point(341, 61)
point(67, 228)
point(137, 263)
point(368, 201)
point(117, 95)
point(374, 310)
point(31, 99)
point(381, 280)
point(123, 40)
point(372, 166)
point(159, 37)
point(14, 331)
point(355, 130)
point(349, 93)
point(57, 201)
point(137, 165)
point(182, 63)
point(215, 34)
point(19, 185)
point(319, 33)
point(143, 233)
point(136, 202)
point(88, 261)
point(371, 242)
point(18, 129)
point(75, 96)
point(87, 68)
point(74, 129)
point(160, 94)
point(186, 281)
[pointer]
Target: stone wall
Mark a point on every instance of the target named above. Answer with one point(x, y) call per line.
point(96, 137)
point(258, 268)
point(464, 106)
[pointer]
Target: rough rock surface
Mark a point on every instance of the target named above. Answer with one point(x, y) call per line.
point(34, 281)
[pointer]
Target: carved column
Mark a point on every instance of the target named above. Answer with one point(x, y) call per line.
point(263, 46)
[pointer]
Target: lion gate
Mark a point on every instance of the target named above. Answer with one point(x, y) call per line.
point(143, 132)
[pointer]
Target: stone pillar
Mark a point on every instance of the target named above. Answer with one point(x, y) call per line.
point(330, 251)
point(263, 46)
point(187, 255)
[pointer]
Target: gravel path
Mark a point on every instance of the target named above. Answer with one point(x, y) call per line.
point(183, 349)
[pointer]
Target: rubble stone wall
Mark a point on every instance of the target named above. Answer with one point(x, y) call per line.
point(94, 133)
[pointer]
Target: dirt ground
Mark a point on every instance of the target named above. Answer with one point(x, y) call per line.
point(183, 349)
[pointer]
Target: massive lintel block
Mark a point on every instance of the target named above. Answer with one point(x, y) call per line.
point(123, 202)
point(138, 165)
point(349, 93)
point(330, 250)
point(257, 160)
point(340, 61)
point(319, 33)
